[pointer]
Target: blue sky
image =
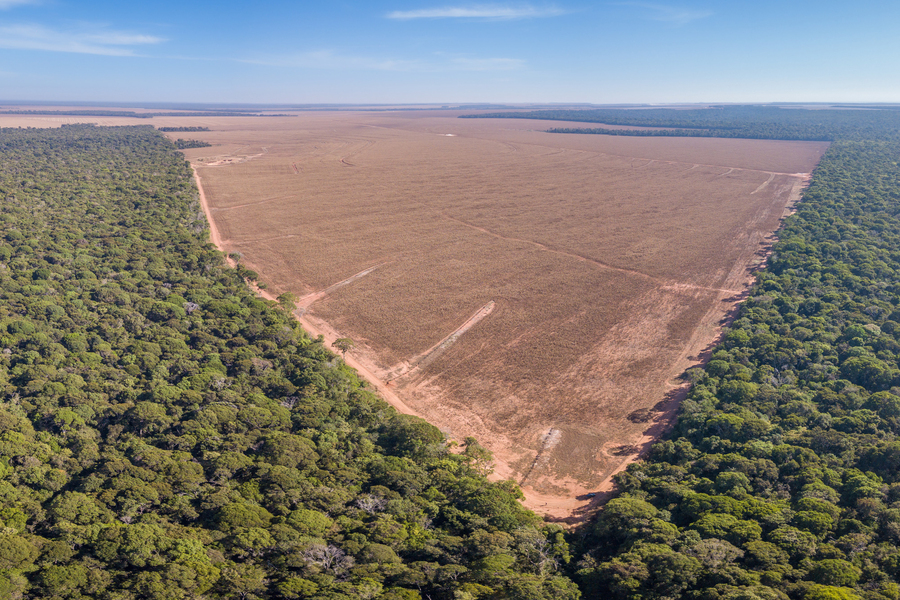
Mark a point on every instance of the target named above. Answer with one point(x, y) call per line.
point(407, 51)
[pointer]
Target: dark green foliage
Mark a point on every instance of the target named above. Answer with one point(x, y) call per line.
point(182, 129)
point(166, 434)
point(185, 144)
point(782, 478)
point(755, 122)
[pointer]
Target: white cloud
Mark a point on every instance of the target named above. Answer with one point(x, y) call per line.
point(478, 11)
point(670, 14)
point(7, 4)
point(91, 40)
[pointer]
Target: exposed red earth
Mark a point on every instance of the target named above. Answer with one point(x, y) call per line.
point(608, 265)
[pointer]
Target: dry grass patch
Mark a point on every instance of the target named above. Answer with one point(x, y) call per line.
point(610, 262)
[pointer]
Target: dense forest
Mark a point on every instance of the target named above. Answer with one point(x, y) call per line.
point(181, 144)
point(166, 434)
point(753, 122)
point(182, 129)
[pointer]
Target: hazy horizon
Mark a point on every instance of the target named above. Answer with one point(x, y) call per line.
point(449, 52)
point(472, 105)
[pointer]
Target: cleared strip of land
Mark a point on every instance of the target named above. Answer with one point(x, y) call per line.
point(609, 262)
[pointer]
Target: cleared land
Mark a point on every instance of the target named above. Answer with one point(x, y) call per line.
point(541, 292)
point(607, 264)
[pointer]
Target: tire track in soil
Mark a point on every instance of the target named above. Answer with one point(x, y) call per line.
point(764, 184)
point(668, 285)
point(306, 301)
point(541, 246)
point(266, 201)
point(551, 439)
point(425, 358)
point(365, 145)
point(647, 164)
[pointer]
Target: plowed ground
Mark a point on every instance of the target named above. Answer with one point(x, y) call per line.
point(610, 262)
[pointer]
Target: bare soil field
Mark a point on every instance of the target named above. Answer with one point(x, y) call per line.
point(542, 292)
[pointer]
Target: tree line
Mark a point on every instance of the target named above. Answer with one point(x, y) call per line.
point(751, 122)
point(181, 144)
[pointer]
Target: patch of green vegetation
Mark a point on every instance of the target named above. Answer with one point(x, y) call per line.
point(751, 122)
point(164, 433)
point(182, 129)
point(185, 144)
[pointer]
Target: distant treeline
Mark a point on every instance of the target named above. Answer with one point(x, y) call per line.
point(722, 133)
point(185, 144)
point(182, 129)
point(752, 122)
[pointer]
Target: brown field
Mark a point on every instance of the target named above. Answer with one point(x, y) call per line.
point(531, 289)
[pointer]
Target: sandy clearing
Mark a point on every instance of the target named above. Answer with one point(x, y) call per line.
point(486, 218)
point(232, 158)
